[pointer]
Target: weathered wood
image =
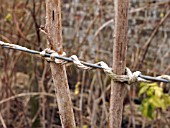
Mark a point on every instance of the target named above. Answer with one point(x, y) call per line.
point(54, 31)
point(118, 90)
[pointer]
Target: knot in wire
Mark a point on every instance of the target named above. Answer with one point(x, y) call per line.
point(167, 77)
point(43, 53)
point(53, 55)
point(109, 72)
point(8, 45)
point(50, 55)
point(58, 61)
point(133, 77)
point(106, 68)
point(129, 77)
point(78, 63)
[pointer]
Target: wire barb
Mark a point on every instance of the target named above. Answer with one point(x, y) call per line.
point(51, 55)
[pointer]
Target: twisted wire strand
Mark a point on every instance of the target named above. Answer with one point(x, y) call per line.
point(51, 55)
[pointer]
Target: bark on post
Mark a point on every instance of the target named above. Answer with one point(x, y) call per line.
point(54, 31)
point(118, 90)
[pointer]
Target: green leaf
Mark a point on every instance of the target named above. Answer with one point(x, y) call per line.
point(145, 87)
point(156, 101)
point(155, 98)
point(150, 92)
point(85, 126)
point(144, 109)
point(8, 17)
point(143, 90)
point(166, 100)
point(150, 113)
point(153, 84)
point(158, 91)
point(142, 84)
point(147, 110)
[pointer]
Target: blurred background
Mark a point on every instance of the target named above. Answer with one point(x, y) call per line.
point(26, 88)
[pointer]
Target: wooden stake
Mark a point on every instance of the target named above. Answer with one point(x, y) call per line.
point(118, 90)
point(54, 31)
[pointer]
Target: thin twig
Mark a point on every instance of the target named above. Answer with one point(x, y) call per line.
point(147, 6)
point(25, 94)
point(2, 121)
point(147, 44)
point(131, 12)
point(86, 34)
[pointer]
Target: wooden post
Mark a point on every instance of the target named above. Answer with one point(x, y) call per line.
point(54, 31)
point(118, 90)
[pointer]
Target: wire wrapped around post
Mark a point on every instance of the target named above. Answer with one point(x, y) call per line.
point(129, 77)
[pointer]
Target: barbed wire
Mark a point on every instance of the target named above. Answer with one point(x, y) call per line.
point(51, 55)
